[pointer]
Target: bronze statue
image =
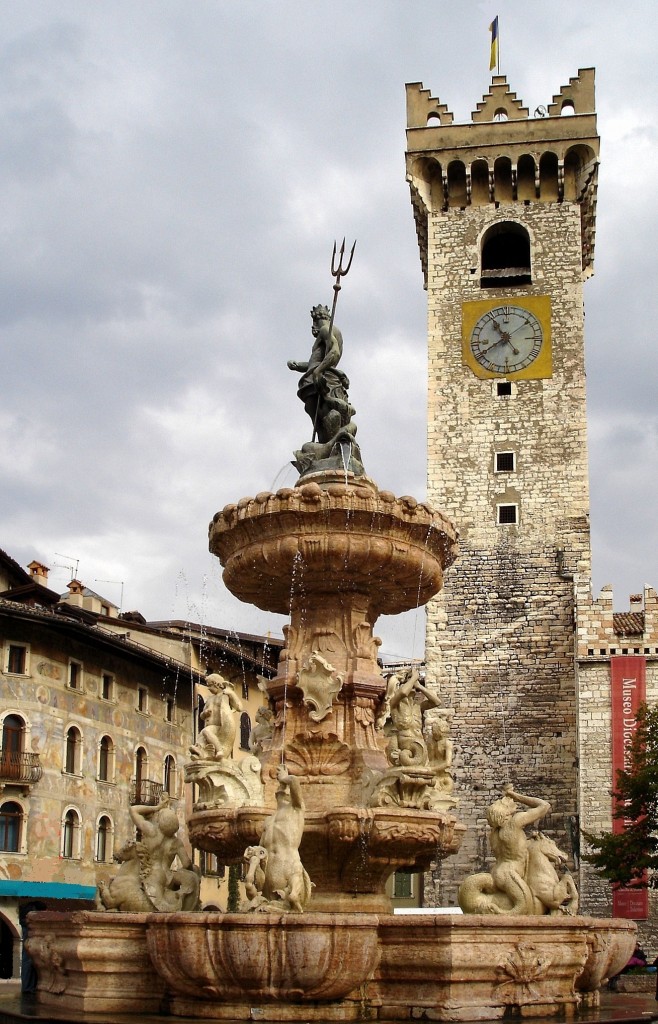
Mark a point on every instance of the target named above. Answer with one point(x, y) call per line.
point(323, 390)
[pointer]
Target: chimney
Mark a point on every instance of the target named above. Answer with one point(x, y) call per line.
point(637, 602)
point(39, 572)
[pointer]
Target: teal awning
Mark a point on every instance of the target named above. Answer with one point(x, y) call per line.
point(46, 890)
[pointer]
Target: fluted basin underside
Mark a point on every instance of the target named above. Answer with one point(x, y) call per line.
point(346, 537)
point(263, 958)
point(347, 851)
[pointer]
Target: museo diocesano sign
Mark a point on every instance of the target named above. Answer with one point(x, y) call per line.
point(628, 691)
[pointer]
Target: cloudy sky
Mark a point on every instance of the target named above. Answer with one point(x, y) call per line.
point(173, 174)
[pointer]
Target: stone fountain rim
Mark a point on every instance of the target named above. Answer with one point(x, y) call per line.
point(310, 498)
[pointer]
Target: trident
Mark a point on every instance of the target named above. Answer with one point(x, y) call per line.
point(337, 272)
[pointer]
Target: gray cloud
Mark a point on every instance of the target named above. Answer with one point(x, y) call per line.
point(172, 178)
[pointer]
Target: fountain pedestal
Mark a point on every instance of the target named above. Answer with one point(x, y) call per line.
point(334, 553)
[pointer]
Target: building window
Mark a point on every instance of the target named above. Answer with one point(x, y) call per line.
point(13, 733)
point(209, 865)
point(245, 730)
point(505, 260)
point(142, 699)
point(507, 514)
point(106, 760)
point(169, 775)
point(73, 755)
point(141, 787)
point(107, 686)
point(71, 835)
point(403, 888)
point(11, 752)
point(505, 462)
point(17, 659)
point(11, 823)
point(504, 388)
point(169, 709)
point(75, 675)
point(104, 840)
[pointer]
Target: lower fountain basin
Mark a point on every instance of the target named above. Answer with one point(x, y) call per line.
point(262, 958)
point(323, 967)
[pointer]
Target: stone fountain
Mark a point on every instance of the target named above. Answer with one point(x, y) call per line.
point(358, 769)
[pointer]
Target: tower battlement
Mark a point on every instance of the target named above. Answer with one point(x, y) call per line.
point(504, 156)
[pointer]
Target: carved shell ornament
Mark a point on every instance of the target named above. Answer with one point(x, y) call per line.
point(313, 754)
point(320, 684)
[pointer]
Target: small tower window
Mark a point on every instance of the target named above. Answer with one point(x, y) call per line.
point(504, 388)
point(505, 260)
point(508, 514)
point(505, 462)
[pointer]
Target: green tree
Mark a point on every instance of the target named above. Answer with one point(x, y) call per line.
point(233, 903)
point(631, 857)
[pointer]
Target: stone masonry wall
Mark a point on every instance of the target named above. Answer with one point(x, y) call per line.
point(501, 638)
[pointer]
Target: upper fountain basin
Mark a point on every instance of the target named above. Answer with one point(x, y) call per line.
point(333, 532)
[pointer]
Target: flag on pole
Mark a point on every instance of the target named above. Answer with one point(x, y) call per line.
point(493, 28)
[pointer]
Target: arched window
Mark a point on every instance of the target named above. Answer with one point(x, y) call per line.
point(245, 730)
point(456, 183)
point(73, 756)
point(548, 178)
point(71, 835)
point(106, 760)
point(140, 775)
point(505, 256)
point(503, 192)
point(13, 741)
point(479, 183)
point(169, 776)
point(525, 178)
point(11, 824)
point(104, 839)
point(13, 731)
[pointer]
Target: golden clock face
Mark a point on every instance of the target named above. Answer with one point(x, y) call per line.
point(508, 339)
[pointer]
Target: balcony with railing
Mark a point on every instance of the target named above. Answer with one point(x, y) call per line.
point(19, 768)
point(146, 791)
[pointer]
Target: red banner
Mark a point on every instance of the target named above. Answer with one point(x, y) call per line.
point(627, 692)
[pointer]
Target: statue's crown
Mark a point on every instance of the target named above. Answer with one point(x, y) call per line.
point(321, 312)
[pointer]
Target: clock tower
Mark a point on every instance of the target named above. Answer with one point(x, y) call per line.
point(505, 214)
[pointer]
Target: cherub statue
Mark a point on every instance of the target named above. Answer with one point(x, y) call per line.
point(215, 741)
point(436, 724)
point(262, 730)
